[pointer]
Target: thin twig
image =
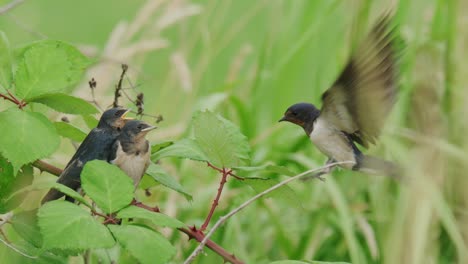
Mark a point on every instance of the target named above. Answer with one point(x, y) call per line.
point(223, 219)
point(92, 85)
point(118, 88)
point(5, 218)
point(10, 6)
point(10, 97)
point(44, 166)
point(17, 250)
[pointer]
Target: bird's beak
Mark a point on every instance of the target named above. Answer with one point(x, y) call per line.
point(149, 128)
point(124, 116)
point(284, 118)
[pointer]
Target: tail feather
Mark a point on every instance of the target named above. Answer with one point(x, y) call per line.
point(374, 165)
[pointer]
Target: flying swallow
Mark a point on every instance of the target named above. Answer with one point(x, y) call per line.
point(355, 107)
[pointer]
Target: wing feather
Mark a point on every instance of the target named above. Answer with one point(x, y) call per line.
point(364, 93)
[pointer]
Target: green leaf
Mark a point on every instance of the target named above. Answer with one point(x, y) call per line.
point(26, 136)
point(90, 121)
point(161, 176)
point(49, 67)
point(144, 244)
point(25, 224)
point(156, 218)
point(220, 140)
point(107, 185)
point(24, 178)
point(49, 185)
point(184, 148)
point(66, 104)
point(284, 193)
point(7, 180)
point(290, 262)
point(305, 262)
point(65, 225)
point(70, 131)
point(6, 74)
point(158, 146)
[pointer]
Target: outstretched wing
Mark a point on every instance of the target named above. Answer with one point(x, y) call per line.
point(363, 95)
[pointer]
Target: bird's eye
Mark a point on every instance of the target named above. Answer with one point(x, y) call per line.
point(140, 127)
point(294, 113)
point(116, 114)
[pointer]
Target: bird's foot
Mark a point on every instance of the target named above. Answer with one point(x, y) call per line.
point(318, 175)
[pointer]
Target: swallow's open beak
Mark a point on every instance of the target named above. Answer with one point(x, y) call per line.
point(124, 116)
point(149, 128)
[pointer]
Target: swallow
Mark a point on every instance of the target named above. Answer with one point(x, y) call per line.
point(355, 107)
point(96, 146)
point(131, 151)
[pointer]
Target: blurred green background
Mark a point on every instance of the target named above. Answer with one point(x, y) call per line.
point(250, 60)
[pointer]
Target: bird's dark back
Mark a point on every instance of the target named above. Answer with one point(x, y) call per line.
point(97, 145)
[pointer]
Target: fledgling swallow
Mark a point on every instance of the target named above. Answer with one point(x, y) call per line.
point(131, 151)
point(96, 146)
point(355, 107)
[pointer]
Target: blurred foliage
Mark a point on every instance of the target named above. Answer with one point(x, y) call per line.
point(249, 60)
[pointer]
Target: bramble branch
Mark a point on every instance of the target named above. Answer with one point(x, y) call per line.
point(223, 219)
point(225, 173)
point(211, 245)
point(44, 166)
point(10, 97)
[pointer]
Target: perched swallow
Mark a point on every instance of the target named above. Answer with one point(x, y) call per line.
point(131, 151)
point(356, 105)
point(96, 146)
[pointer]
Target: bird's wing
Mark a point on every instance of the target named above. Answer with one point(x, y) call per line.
point(364, 93)
point(148, 161)
point(89, 142)
point(96, 145)
point(113, 151)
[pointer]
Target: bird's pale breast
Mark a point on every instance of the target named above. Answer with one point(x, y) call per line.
point(133, 164)
point(332, 142)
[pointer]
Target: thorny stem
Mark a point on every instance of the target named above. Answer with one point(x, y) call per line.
point(108, 219)
point(224, 218)
point(144, 206)
point(10, 97)
point(118, 88)
point(216, 200)
point(197, 235)
point(44, 166)
point(225, 173)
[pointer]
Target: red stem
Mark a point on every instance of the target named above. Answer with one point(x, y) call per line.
point(218, 195)
point(7, 98)
point(215, 168)
point(10, 97)
point(144, 206)
point(197, 235)
point(43, 166)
